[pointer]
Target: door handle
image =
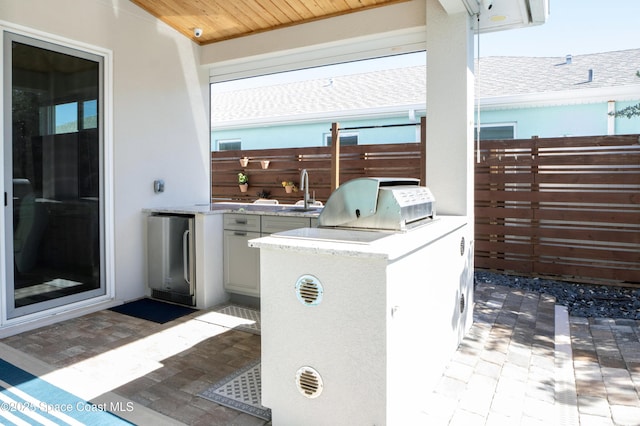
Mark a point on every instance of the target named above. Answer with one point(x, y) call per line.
point(185, 256)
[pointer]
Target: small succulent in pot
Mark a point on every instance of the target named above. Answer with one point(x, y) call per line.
point(289, 186)
point(243, 182)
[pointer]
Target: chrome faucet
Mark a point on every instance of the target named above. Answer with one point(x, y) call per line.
point(304, 186)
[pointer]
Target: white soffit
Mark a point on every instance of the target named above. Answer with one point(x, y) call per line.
point(311, 118)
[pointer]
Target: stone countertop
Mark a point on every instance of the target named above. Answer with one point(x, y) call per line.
point(245, 208)
point(361, 243)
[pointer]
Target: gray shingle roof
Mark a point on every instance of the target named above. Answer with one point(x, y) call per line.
point(388, 88)
point(504, 76)
point(404, 87)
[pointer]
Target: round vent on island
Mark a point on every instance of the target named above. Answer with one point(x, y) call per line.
point(309, 382)
point(309, 290)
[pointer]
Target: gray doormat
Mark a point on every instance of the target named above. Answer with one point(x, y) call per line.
point(240, 391)
point(234, 316)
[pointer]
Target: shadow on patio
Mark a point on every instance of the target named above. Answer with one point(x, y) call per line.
point(511, 367)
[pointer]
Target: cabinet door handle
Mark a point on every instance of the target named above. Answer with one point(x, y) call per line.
point(186, 257)
point(242, 234)
point(241, 221)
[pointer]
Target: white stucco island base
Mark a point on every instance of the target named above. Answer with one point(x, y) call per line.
point(387, 317)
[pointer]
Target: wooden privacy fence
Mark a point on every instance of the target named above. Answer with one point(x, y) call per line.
point(285, 164)
point(388, 160)
point(564, 206)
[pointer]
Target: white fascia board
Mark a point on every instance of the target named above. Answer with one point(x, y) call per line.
point(564, 97)
point(454, 6)
point(363, 114)
point(392, 43)
point(383, 31)
point(539, 11)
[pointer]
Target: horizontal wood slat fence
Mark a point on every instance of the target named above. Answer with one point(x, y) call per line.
point(285, 164)
point(560, 207)
point(389, 160)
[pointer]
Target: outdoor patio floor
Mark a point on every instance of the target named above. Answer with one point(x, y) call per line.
point(524, 362)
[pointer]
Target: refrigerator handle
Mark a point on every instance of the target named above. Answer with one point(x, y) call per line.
point(185, 256)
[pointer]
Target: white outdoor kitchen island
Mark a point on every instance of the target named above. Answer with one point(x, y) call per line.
point(357, 326)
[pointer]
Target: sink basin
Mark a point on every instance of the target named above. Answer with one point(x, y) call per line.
point(263, 207)
point(302, 209)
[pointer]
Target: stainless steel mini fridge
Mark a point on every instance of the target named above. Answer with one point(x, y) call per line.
point(171, 258)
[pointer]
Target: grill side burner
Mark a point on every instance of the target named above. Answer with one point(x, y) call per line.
point(396, 204)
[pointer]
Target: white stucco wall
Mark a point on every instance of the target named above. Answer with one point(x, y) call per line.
point(159, 123)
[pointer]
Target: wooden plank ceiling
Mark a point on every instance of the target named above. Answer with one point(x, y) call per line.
point(226, 19)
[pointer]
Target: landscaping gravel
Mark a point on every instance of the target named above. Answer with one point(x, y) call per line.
point(581, 300)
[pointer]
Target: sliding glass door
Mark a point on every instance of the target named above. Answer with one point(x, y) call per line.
point(53, 156)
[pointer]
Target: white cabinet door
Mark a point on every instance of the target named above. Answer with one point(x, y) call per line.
point(241, 263)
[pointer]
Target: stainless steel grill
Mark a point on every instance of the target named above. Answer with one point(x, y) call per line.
point(395, 204)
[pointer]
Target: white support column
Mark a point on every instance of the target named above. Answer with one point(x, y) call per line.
point(450, 166)
point(450, 97)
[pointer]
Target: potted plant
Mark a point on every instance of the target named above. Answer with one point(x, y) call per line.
point(243, 182)
point(289, 187)
point(264, 194)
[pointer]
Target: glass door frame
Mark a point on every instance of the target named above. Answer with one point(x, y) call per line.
point(106, 289)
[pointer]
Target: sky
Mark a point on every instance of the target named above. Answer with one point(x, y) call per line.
point(574, 27)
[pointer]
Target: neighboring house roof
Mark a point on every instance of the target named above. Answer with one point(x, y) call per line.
point(509, 75)
point(502, 82)
point(384, 91)
point(510, 82)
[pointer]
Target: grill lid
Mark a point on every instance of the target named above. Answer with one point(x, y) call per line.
point(378, 203)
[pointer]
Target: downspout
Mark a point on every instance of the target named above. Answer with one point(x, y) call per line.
point(611, 118)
